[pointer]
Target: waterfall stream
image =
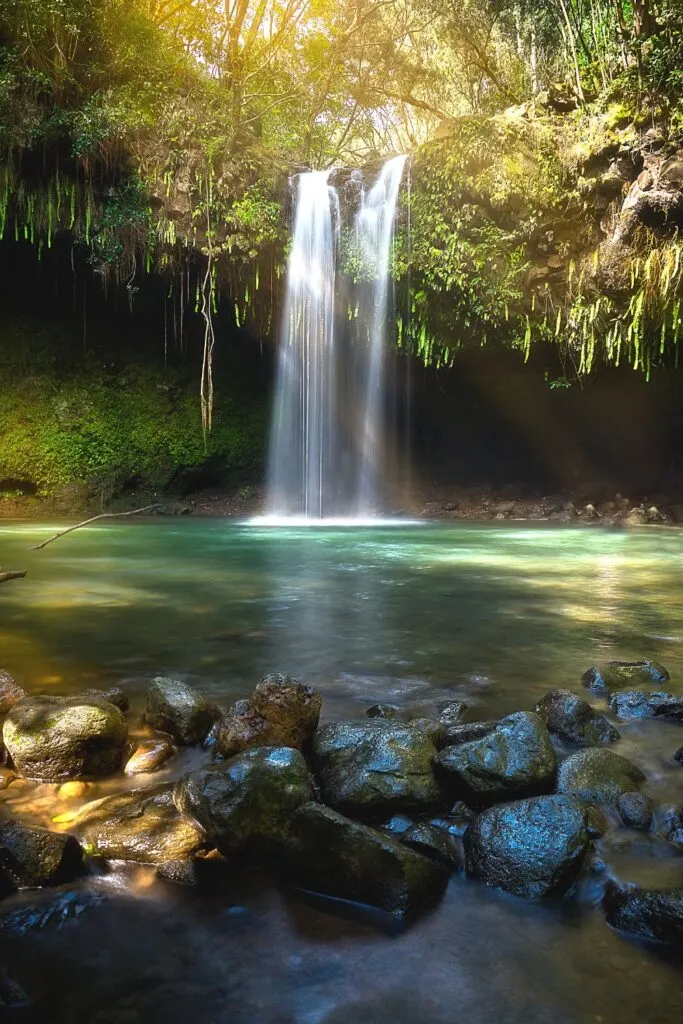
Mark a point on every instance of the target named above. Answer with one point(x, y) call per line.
point(326, 436)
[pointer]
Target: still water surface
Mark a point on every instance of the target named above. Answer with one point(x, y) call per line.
point(493, 615)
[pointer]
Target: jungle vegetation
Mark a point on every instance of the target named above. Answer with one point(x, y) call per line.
point(158, 136)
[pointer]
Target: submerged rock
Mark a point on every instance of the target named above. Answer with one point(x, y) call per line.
point(382, 711)
point(373, 768)
point(149, 756)
point(53, 738)
point(678, 756)
point(10, 692)
point(335, 856)
point(570, 717)
point(598, 775)
point(179, 710)
point(532, 848)
point(515, 759)
point(245, 804)
point(635, 810)
point(143, 826)
point(651, 914)
point(33, 856)
point(647, 704)
point(618, 675)
point(281, 712)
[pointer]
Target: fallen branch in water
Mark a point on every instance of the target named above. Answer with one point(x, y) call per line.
point(16, 575)
point(87, 522)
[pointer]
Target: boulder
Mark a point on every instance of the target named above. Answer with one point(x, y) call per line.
point(373, 768)
point(467, 731)
point(281, 712)
point(334, 856)
point(515, 759)
point(570, 717)
point(436, 843)
point(532, 848)
point(620, 675)
point(647, 704)
point(175, 708)
point(149, 756)
point(598, 775)
point(635, 810)
point(245, 804)
point(142, 826)
point(651, 914)
point(33, 856)
point(10, 692)
point(53, 738)
point(290, 706)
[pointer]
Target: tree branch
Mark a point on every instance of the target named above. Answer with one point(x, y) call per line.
point(86, 522)
point(6, 576)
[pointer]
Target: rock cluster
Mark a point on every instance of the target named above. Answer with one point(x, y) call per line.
point(378, 811)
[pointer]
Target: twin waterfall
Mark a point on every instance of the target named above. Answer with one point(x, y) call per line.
point(327, 441)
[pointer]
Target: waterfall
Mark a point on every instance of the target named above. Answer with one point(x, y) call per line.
point(304, 441)
point(326, 438)
point(375, 229)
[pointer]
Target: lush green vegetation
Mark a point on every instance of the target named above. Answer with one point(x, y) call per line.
point(159, 135)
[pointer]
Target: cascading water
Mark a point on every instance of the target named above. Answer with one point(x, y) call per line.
point(375, 228)
point(326, 441)
point(304, 441)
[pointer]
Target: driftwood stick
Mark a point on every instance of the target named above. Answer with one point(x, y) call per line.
point(17, 575)
point(87, 522)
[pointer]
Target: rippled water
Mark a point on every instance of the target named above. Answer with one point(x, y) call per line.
point(494, 615)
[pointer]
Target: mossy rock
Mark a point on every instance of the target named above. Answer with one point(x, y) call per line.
point(142, 826)
point(599, 776)
point(334, 856)
point(245, 804)
point(51, 738)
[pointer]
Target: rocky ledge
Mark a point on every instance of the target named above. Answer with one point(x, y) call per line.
point(379, 811)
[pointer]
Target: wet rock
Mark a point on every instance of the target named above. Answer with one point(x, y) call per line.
point(598, 775)
point(635, 810)
point(436, 843)
point(72, 790)
point(532, 848)
point(620, 675)
point(467, 731)
point(451, 714)
point(435, 731)
point(113, 694)
point(368, 769)
point(7, 776)
point(53, 738)
point(382, 711)
point(678, 756)
point(651, 914)
point(245, 804)
point(514, 759)
point(35, 856)
point(7, 886)
point(142, 826)
point(179, 710)
point(281, 712)
point(647, 704)
point(291, 706)
point(10, 692)
point(149, 756)
point(671, 826)
point(334, 856)
point(636, 517)
point(570, 717)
